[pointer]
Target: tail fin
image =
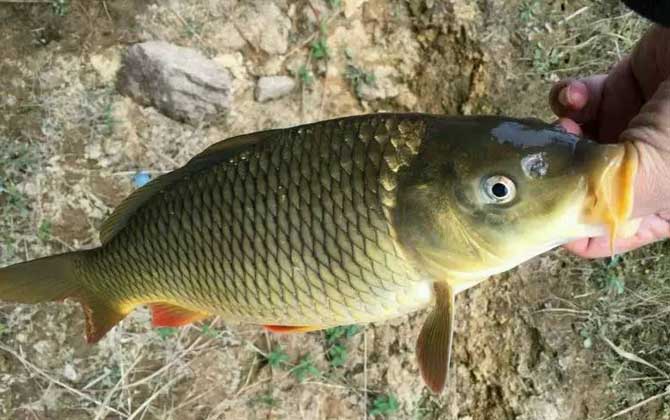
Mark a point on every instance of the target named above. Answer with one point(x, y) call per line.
point(55, 278)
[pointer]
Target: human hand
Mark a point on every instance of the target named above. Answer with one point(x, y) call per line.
point(630, 103)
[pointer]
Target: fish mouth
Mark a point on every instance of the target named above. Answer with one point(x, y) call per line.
point(610, 187)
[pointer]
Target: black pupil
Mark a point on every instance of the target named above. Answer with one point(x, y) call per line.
point(499, 190)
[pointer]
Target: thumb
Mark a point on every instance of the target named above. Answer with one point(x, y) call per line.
point(649, 131)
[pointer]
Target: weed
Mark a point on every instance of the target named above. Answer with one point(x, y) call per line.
point(337, 350)
point(18, 158)
point(277, 357)
point(44, 230)
point(528, 11)
point(577, 40)
point(165, 332)
point(359, 77)
point(192, 27)
point(108, 118)
point(60, 7)
point(266, 399)
point(336, 333)
point(319, 48)
point(384, 405)
point(305, 368)
point(608, 278)
point(334, 4)
point(337, 355)
point(208, 331)
point(305, 75)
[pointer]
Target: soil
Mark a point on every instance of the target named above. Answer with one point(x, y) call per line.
point(516, 355)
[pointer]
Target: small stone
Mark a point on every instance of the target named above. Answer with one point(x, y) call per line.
point(106, 64)
point(273, 87)
point(180, 82)
point(70, 373)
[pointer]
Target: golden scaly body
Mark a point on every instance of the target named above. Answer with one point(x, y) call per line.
point(294, 228)
point(345, 221)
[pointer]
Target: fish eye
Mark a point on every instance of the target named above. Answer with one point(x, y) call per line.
point(499, 189)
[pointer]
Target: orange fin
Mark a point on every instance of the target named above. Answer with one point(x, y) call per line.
point(168, 315)
point(100, 318)
point(289, 329)
point(433, 347)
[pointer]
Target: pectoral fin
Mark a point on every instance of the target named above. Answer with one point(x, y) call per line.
point(433, 347)
point(168, 315)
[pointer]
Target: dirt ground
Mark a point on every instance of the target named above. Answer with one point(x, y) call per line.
point(529, 343)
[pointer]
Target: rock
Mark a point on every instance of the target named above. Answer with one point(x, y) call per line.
point(264, 26)
point(70, 373)
point(229, 38)
point(273, 87)
point(180, 82)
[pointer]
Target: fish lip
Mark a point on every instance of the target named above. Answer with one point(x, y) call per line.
point(610, 174)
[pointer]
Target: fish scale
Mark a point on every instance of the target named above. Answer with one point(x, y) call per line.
point(241, 236)
point(239, 247)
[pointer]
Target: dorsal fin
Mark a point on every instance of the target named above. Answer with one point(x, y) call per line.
point(214, 154)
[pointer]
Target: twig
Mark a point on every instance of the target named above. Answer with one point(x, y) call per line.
point(45, 375)
point(153, 396)
point(365, 374)
point(313, 35)
point(104, 5)
point(573, 15)
point(324, 93)
point(632, 357)
point(640, 404)
point(101, 411)
point(165, 367)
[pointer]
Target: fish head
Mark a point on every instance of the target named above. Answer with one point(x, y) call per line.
point(485, 194)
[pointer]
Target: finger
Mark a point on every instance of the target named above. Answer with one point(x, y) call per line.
point(652, 229)
point(579, 99)
point(600, 247)
point(570, 126)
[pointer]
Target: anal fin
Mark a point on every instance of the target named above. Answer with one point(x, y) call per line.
point(289, 329)
point(169, 315)
point(100, 317)
point(433, 347)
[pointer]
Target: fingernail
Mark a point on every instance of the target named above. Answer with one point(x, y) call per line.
point(575, 95)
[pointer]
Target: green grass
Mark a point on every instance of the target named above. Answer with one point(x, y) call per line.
point(305, 368)
point(165, 332)
point(305, 75)
point(277, 357)
point(44, 230)
point(336, 337)
point(628, 322)
point(359, 77)
point(578, 40)
point(60, 7)
point(18, 161)
point(384, 405)
point(319, 48)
